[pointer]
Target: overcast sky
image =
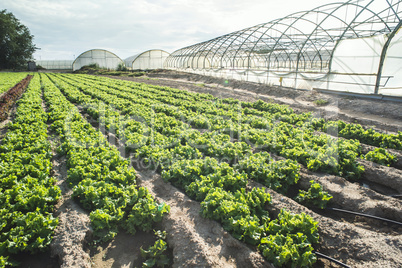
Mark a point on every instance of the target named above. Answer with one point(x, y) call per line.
point(64, 29)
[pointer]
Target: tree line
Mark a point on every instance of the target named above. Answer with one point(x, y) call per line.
point(16, 42)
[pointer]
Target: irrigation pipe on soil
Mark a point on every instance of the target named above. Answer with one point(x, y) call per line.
point(366, 215)
point(330, 259)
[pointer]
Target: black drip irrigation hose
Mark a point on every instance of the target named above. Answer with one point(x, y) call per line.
point(330, 259)
point(366, 215)
point(396, 195)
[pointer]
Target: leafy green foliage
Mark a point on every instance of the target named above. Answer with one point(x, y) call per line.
point(381, 156)
point(321, 102)
point(4, 261)
point(121, 67)
point(102, 180)
point(27, 190)
point(289, 251)
point(155, 255)
point(277, 175)
point(9, 98)
point(30, 232)
point(240, 213)
point(223, 177)
point(356, 131)
point(289, 238)
point(207, 147)
point(8, 80)
point(315, 196)
point(145, 211)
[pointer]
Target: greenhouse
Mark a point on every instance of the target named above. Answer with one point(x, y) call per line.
point(103, 58)
point(355, 46)
point(148, 60)
point(55, 64)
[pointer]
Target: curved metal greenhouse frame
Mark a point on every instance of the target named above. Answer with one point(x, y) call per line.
point(309, 49)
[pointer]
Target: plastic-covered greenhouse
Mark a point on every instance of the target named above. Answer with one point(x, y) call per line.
point(103, 58)
point(148, 60)
point(55, 64)
point(355, 46)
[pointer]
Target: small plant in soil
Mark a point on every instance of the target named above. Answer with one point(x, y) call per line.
point(321, 102)
point(381, 156)
point(315, 196)
point(155, 255)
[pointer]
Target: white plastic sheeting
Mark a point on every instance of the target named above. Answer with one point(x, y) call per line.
point(55, 64)
point(103, 58)
point(355, 65)
point(393, 68)
point(352, 46)
point(354, 69)
point(148, 60)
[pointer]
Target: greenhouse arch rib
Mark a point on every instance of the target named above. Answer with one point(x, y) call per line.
point(382, 59)
point(351, 28)
point(308, 48)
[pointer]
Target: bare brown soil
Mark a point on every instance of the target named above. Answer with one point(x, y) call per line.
point(122, 251)
point(74, 225)
point(196, 241)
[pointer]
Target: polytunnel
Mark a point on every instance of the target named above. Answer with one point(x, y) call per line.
point(101, 57)
point(148, 60)
point(354, 46)
point(55, 64)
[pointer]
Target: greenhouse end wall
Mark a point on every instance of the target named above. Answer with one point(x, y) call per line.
point(55, 64)
point(103, 58)
point(355, 65)
point(148, 60)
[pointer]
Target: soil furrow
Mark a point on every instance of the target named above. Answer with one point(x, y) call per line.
point(196, 241)
point(388, 176)
point(352, 196)
point(74, 223)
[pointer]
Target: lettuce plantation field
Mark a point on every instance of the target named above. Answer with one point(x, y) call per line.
point(8, 80)
point(209, 181)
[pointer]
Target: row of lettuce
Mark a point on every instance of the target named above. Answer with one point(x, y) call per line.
point(159, 146)
point(102, 181)
point(165, 129)
point(194, 104)
point(220, 187)
point(9, 79)
point(8, 99)
point(28, 193)
point(264, 126)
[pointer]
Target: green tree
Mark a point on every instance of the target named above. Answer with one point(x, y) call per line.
point(16, 46)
